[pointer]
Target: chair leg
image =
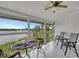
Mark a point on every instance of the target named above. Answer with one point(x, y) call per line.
point(37, 52)
point(76, 51)
point(19, 54)
point(43, 51)
point(57, 41)
point(66, 50)
point(61, 45)
point(27, 54)
point(70, 48)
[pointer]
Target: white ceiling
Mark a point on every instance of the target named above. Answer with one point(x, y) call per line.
point(36, 8)
point(32, 8)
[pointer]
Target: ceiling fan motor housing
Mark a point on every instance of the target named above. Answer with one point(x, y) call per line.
point(56, 4)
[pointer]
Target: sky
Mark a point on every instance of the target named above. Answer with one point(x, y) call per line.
point(6, 23)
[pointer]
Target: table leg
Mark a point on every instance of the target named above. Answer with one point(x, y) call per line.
point(27, 53)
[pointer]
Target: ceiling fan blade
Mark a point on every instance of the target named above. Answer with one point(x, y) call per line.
point(60, 2)
point(52, 2)
point(48, 8)
point(63, 6)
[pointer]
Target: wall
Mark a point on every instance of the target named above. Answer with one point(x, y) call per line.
point(67, 19)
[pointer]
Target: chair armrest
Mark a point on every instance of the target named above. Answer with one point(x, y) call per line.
point(72, 42)
point(66, 39)
point(57, 36)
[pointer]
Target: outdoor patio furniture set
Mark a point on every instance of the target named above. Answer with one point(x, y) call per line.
point(32, 44)
point(69, 40)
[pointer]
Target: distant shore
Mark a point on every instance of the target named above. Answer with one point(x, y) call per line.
point(11, 29)
point(13, 32)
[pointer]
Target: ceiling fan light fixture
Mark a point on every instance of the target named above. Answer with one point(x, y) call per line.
point(54, 11)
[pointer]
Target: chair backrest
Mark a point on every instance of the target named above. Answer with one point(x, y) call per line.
point(62, 34)
point(67, 35)
point(73, 37)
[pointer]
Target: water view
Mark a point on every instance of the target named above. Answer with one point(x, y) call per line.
point(17, 32)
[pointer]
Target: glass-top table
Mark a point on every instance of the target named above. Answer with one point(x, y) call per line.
point(25, 46)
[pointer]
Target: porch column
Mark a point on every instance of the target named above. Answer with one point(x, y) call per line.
point(53, 30)
point(28, 28)
point(45, 33)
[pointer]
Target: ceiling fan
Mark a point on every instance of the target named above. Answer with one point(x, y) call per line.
point(56, 4)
